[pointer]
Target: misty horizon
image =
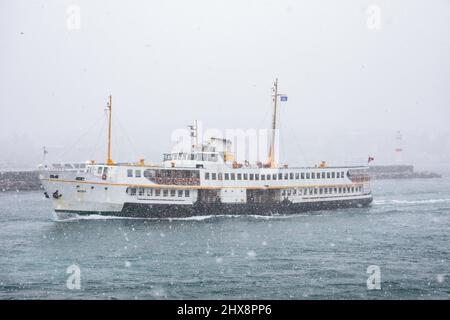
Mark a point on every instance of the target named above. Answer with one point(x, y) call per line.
point(351, 88)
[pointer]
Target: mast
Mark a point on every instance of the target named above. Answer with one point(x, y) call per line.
point(109, 108)
point(271, 161)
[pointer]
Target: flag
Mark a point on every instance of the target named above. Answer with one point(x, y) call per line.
point(283, 98)
point(370, 159)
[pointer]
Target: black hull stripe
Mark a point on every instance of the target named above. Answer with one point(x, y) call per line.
point(138, 210)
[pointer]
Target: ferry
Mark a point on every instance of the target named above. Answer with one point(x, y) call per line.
point(205, 180)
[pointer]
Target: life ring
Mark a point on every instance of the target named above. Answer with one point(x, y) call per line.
point(103, 176)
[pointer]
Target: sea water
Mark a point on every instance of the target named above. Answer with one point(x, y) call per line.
point(405, 235)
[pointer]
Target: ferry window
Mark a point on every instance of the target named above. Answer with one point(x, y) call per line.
point(294, 192)
point(251, 176)
point(289, 192)
point(99, 170)
point(274, 176)
point(353, 189)
point(233, 176)
point(313, 175)
point(133, 191)
point(310, 191)
point(315, 190)
point(213, 176)
point(343, 189)
point(328, 175)
point(283, 193)
point(192, 156)
point(307, 175)
point(157, 192)
point(141, 191)
point(332, 175)
point(180, 193)
point(280, 176)
point(186, 193)
point(302, 175)
point(335, 190)
point(137, 173)
point(342, 174)
point(219, 176)
point(326, 190)
point(263, 177)
point(323, 175)
point(268, 177)
point(149, 192)
point(206, 175)
point(165, 193)
point(245, 176)
point(239, 176)
point(172, 193)
point(291, 176)
point(149, 173)
point(130, 173)
point(256, 176)
point(297, 175)
point(320, 191)
point(227, 176)
point(286, 176)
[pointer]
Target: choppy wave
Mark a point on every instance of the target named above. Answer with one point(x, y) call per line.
point(75, 217)
point(418, 201)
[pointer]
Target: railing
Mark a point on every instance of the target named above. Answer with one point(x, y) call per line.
point(76, 167)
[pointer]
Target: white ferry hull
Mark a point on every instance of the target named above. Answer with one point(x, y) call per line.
point(204, 179)
point(98, 197)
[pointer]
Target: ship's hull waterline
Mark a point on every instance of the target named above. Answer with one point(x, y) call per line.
point(141, 210)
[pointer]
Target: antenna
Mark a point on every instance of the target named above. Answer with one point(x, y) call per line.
point(45, 152)
point(109, 109)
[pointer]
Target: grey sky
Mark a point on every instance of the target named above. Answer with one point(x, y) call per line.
point(167, 63)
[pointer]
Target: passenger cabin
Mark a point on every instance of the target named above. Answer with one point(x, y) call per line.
point(192, 159)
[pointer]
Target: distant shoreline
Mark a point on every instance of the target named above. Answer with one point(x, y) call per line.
point(19, 181)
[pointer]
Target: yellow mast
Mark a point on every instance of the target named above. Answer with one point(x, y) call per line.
point(109, 107)
point(271, 161)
